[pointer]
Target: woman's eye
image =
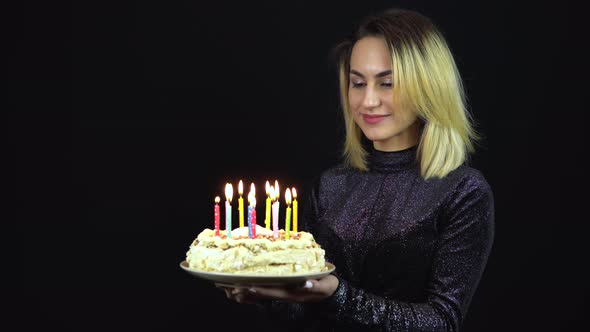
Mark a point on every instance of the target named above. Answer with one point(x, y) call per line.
point(387, 84)
point(357, 84)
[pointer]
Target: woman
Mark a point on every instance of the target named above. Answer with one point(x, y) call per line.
point(408, 225)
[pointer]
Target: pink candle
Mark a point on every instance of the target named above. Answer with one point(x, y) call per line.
point(275, 210)
point(216, 214)
point(288, 217)
point(252, 212)
point(275, 219)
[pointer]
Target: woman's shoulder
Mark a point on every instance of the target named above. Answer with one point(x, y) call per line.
point(466, 183)
point(464, 180)
point(466, 175)
point(468, 193)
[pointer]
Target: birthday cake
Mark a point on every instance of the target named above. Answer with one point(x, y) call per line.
point(295, 253)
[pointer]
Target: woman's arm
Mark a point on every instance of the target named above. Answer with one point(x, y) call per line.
point(466, 236)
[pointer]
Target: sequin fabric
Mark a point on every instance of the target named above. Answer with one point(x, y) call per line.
point(409, 252)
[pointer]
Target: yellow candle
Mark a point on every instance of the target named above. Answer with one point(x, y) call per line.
point(288, 214)
point(294, 210)
point(267, 215)
point(241, 203)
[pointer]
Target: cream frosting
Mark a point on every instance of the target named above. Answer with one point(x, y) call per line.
point(262, 255)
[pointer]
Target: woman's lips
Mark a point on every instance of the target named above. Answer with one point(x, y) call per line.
point(373, 119)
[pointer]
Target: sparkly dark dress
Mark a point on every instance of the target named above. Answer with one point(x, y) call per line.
point(409, 253)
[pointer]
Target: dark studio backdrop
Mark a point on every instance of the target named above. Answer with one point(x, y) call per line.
point(135, 115)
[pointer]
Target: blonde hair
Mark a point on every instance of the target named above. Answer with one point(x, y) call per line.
point(426, 80)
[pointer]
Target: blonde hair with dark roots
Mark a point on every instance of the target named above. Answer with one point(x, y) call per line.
point(426, 80)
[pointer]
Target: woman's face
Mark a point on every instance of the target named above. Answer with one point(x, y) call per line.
point(374, 107)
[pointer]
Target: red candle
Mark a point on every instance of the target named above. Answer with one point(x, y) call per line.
point(216, 213)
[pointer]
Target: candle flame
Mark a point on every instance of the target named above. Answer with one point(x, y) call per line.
point(240, 188)
point(277, 191)
point(271, 192)
point(252, 198)
point(267, 188)
point(217, 199)
point(252, 189)
point(288, 196)
point(294, 193)
point(229, 192)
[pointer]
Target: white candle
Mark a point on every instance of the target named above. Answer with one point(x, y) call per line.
point(276, 206)
point(229, 192)
point(275, 213)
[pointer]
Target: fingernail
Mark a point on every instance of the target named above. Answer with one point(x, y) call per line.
point(308, 284)
point(252, 290)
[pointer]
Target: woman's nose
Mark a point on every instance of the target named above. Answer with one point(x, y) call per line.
point(371, 98)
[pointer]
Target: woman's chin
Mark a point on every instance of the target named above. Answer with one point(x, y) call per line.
point(375, 137)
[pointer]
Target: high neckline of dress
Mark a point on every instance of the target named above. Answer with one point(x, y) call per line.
point(392, 161)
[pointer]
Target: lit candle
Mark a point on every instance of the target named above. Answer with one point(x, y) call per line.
point(275, 212)
point(278, 194)
point(241, 203)
point(294, 209)
point(229, 192)
point(252, 212)
point(250, 215)
point(288, 217)
point(253, 216)
point(267, 216)
point(216, 213)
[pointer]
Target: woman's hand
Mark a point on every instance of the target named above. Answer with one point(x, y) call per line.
point(310, 291)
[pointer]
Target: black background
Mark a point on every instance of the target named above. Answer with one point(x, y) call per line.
point(133, 116)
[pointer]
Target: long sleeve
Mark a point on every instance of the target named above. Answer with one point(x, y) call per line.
point(463, 246)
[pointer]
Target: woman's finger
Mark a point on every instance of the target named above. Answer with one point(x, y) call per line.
point(245, 298)
point(236, 291)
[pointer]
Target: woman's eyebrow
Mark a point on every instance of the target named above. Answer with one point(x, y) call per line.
point(381, 74)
